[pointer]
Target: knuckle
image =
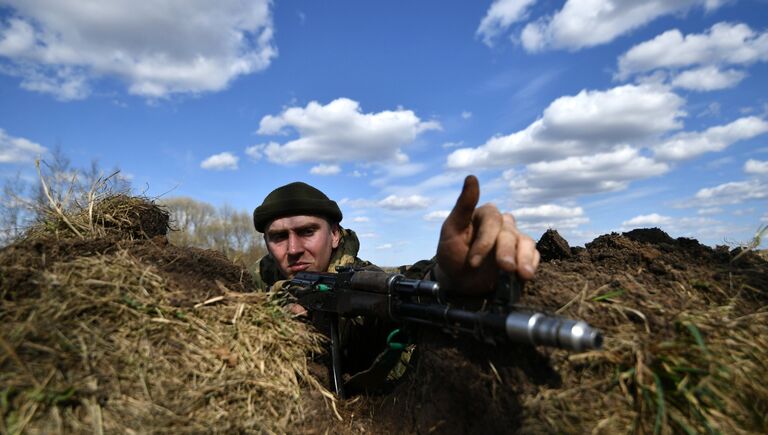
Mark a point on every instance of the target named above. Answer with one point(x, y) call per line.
point(489, 209)
point(509, 219)
point(482, 246)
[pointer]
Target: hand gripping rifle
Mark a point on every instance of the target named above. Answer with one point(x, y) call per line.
point(357, 292)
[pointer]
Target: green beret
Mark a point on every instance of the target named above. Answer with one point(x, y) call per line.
point(295, 199)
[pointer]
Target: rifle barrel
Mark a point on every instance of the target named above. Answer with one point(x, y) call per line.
point(520, 327)
point(541, 329)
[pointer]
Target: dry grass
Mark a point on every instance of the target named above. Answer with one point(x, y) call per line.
point(98, 213)
point(117, 215)
point(101, 350)
point(100, 343)
point(703, 372)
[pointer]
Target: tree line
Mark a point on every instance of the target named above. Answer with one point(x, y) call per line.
point(193, 223)
point(199, 224)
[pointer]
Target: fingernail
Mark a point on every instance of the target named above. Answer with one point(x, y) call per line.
point(510, 260)
point(475, 260)
point(528, 268)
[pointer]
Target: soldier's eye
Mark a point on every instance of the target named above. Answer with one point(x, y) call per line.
point(279, 237)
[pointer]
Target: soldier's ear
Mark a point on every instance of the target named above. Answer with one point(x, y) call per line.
point(266, 245)
point(335, 235)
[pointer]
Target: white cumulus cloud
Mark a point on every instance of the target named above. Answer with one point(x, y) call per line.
point(653, 219)
point(547, 216)
point(574, 176)
point(548, 211)
point(691, 144)
point(340, 131)
point(157, 48)
point(708, 78)
point(360, 219)
point(586, 23)
point(18, 149)
point(706, 211)
point(501, 15)
point(221, 161)
point(734, 192)
point(410, 202)
point(723, 44)
point(753, 166)
point(323, 169)
point(588, 122)
point(256, 152)
point(437, 215)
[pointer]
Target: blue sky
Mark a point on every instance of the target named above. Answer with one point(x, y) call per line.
point(587, 116)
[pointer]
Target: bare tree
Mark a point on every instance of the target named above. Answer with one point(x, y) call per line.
point(15, 210)
point(70, 187)
point(61, 180)
point(225, 229)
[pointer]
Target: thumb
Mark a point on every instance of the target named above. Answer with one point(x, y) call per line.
point(461, 215)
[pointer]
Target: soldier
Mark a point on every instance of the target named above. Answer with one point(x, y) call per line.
point(302, 233)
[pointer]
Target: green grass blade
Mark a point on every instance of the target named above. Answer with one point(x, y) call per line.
point(660, 405)
point(609, 295)
point(696, 335)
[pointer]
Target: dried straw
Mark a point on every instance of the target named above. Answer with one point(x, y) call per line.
point(101, 350)
point(99, 213)
point(678, 363)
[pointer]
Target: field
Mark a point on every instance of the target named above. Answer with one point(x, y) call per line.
point(107, 327)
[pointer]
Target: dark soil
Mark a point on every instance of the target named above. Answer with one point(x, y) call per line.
point(552, 246)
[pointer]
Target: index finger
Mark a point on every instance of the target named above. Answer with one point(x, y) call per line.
point(461, 215)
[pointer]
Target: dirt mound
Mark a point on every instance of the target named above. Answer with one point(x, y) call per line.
point(107, 326)
point(119, 216)
point(107, 329)
point(649, 235)
point(191, 271)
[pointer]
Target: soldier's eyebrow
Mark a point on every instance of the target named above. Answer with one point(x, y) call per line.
point(311, 226)
point(278, 233)
point(271, 234)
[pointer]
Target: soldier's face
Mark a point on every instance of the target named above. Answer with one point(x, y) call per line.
point(301, 243)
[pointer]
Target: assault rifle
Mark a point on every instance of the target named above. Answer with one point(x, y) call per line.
point(357, 292)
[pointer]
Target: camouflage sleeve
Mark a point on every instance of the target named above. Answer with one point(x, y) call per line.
point(367, 265)
point(258, 282)
point(421, 269)
point(265, 274)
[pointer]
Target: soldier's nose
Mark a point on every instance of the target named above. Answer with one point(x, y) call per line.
point(294, 246)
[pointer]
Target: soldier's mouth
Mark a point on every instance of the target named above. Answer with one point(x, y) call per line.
point(298, 267)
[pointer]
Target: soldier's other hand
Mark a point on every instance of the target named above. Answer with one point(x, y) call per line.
point(297, 310)
point(477, 242)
